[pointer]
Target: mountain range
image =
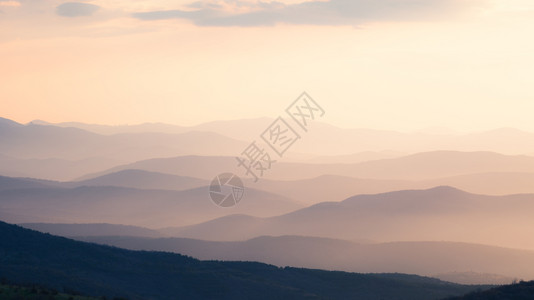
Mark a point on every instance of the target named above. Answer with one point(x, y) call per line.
point(420, 166)
point(436, 214)
point(326, 140)
point(452, 206)
point(119, 205)
point(450, 260)
point(73, 150)
point(32, 257)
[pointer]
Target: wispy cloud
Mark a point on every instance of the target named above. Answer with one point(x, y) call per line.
point(76, 9)
point(333, 12)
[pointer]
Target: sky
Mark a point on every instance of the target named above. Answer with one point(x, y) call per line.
point(405, 65)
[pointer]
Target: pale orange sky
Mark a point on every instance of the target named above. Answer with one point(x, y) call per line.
point(464, 65)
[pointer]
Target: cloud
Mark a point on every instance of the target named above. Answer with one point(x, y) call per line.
point(76, 9)
point(9, 3)
point(332, 12)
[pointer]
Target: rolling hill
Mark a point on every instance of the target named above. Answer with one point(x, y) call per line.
point(327, 140)
point(92, 229)
point(10, 183)
point(326, 187)
point(54, 168)
point(145, 180)
point(436, 214)
point(518, 291)
point(422, 258)
point(117, 205)
point(416, 167)
point(62, 153)
point(32, 257)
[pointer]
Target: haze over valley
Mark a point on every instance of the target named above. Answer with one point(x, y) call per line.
point(288, 149)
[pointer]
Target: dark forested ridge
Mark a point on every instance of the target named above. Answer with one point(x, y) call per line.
point(27, 256)
point(519, 291)
point(33, 292)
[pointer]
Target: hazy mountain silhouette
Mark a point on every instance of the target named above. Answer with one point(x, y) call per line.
point(355, 157)
point(496, 183)
point(327, 187)
point(324, 139)
point(156, 175)
point(7, 122)
point(92, 229)
point(421, 166)
point(322, 136)
point(307, 191)
point(422, 258)
point(145, 180)
point(203, 167)
point(127, 178)
point(150, 208)
point(60, 263)
point(35, 141)
point(435, 214)
point(441, 213)
point(42, 142)
point(518, 291)
point(337, 188)
point(10, 183)
point(117, 129)
point(330, 187)
point(471, 277)
point(54, 168)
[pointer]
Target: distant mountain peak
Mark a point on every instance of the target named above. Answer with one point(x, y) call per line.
point(39, 122)
point(4, 121)
point(441, 191)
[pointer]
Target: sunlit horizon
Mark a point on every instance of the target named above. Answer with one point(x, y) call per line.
point(465, 68)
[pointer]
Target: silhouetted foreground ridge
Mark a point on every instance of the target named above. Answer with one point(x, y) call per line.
point(30, 257)
point(520, 291)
